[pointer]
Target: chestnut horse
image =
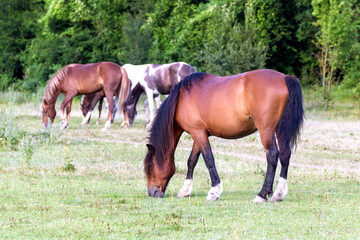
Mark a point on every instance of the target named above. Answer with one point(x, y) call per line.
point(229, 107)
point(80, 79)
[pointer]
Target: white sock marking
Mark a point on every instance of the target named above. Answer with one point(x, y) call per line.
point(259, 199)
point(214, 192)
point(186, 189)
point(87, 118)
point(281, 191)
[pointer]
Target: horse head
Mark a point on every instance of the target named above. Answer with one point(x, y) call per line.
point(48, 111)
point(85, 104)
point(158, 176)
point(130, 113)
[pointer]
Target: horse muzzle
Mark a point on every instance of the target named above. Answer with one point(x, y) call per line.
point(155, 192)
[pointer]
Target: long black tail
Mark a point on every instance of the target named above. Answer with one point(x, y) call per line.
point(290, 124)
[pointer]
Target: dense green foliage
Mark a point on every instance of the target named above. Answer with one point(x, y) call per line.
point(316, 40)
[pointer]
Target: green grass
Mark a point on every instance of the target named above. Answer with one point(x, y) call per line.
point(104, 195)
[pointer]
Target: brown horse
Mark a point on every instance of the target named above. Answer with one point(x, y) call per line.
point(81, 79)
point(230, 107)
point(88, 104)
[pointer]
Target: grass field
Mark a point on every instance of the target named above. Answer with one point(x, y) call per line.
point(85, 183)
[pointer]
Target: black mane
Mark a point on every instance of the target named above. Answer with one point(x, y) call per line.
point(162, 130)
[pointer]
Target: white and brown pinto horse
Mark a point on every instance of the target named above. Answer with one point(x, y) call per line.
point(154, 80)
point(82, 79)
point(229, 107)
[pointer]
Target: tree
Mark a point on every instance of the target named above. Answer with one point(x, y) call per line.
point(233, 47)
point(18, 26)
point(334, 37)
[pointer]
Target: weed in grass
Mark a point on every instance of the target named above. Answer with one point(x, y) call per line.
point(27, 148)
point(51, 135)
point(260, 171)
point(9, 131)
point(69, 167)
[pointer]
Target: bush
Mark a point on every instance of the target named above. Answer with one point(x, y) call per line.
point(5, 82)
point(9, 131)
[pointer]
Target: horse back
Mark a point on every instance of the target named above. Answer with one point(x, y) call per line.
point(90, 78)
point(233, 106)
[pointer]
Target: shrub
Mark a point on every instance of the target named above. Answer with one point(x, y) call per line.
point(27, 147)
point(9, 131)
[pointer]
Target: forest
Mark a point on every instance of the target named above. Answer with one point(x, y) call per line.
point(315, 40)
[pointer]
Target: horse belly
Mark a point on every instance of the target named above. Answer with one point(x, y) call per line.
point(219, 120)
point(230, 128)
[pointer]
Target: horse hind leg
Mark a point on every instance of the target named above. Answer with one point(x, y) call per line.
point(272, 154)
point(111, 104)
point(116, 108)
point(282, 188)
point(64, 107)
point(100, 109)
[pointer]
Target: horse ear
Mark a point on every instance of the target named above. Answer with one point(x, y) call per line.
point(151, 148)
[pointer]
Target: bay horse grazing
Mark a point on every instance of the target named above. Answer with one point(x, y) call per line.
point(82, 79)
point(229, 107)
point(88, 104)
point(154, 79)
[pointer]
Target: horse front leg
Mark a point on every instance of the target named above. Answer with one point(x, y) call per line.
point(147, 113)
point(150, 98)
point(158, 100)
point(201, 139)
point(272, 154)
point(68, 110)
point(186, 189)
point(64, 118)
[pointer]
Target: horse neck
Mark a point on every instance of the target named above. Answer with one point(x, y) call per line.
point(52, 96)
point(172, 144)
point(137, 91)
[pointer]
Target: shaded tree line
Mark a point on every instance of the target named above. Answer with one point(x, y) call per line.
point(316, 40)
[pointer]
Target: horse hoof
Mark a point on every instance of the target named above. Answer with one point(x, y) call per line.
point(275, 199)
point(214, 193)
point(212, 196)
point(107, 125)
point(259, 199)
point(281, 191)
point(186, 189)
